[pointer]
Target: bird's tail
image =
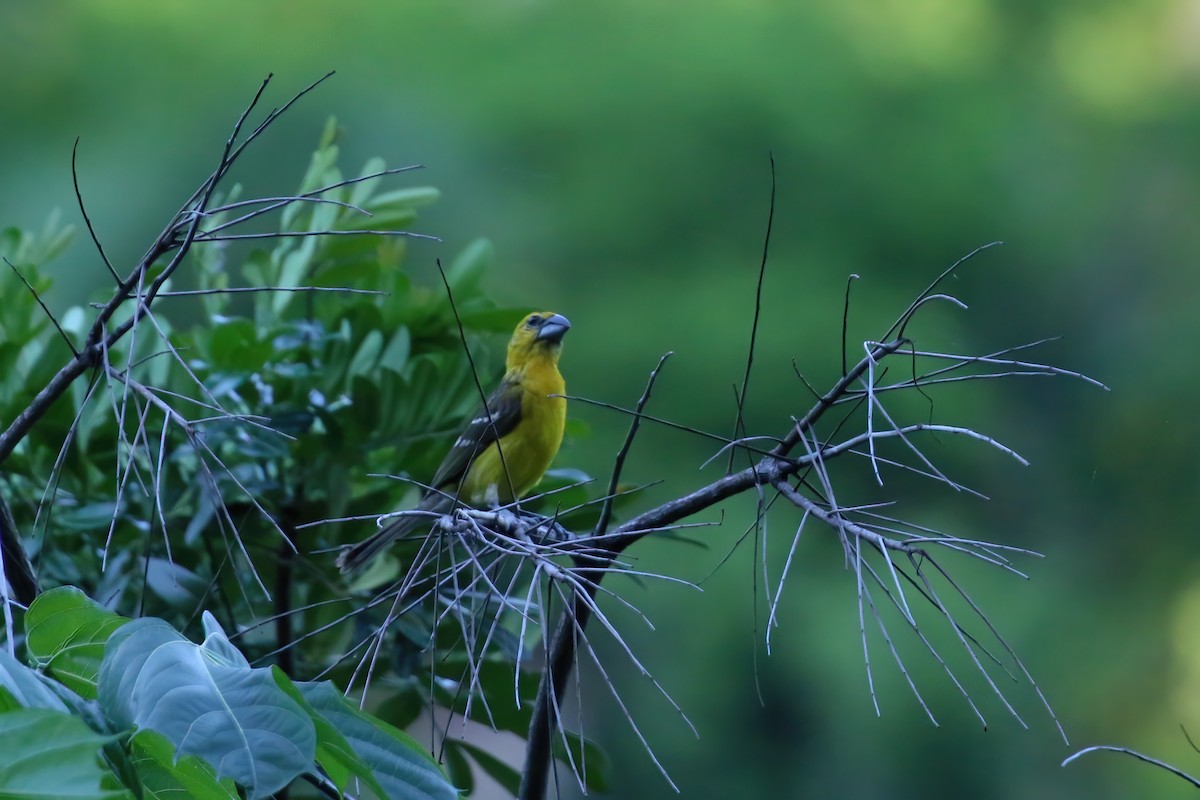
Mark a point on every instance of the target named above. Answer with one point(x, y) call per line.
point(356, 557)
point(17, 568)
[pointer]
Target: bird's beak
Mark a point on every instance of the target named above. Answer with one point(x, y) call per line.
point(554, 329)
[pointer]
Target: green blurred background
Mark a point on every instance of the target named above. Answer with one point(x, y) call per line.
point(617, 155)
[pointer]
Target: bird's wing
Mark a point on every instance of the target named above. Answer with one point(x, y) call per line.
point(505, 407)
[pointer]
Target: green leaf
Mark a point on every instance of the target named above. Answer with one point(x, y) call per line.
point(502, 772)
point(27, 688)
point(163, 777)
point(411, 197)
point(66, 634)
point(7, 701)
point(175, 584)
point(496, 679)
point(361, 192)
point(395, 355)
point(208, 702)
point(49, 754)
point(402, 708)
point(458, 768)
point(400, 763)
point(235, 346)
point(392, 211)
point(466, 271)
point(588, 758)
point(368, 354)
point(125, 656)
point(91, 517)
point(334, 753)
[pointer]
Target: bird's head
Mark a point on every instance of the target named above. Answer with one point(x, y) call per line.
point(540, 333)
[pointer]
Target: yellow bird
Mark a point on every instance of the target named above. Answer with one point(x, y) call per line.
point(507, 446)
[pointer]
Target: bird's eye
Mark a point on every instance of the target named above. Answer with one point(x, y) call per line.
point(533, 321)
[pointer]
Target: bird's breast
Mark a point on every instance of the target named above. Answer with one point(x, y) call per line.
point(525, 453)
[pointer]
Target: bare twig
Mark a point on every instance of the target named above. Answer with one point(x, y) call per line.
point(1140, 756)
point(601, 526)
point(740, 395)
point(86, 219)
point(49, 316)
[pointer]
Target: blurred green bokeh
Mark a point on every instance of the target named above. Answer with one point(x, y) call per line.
point(617, 154)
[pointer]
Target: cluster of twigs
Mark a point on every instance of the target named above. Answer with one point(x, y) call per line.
point(480, 569)
point(894, 562)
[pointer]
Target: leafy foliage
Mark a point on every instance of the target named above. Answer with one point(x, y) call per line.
point(192, 486)
point(205, 720)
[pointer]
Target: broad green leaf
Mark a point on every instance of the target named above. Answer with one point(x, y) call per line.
point(66, 633)
point(335, 755)
point(27, 688)
point(401, 765)
point(163, 777)
point(91, 517)
point(125, 657)
point(175, 584)
point(207, 702)
point(49, 754)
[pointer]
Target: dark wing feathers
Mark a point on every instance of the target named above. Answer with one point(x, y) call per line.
point(505, 407)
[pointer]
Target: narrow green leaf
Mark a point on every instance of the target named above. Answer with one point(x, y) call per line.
point(411, 197)
point(368, 354)
point(395, 355)
point(496, 680)
point(588, 757)
point(458, 768)
point(466, 271)
point(502, 772)
point(361, 192)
